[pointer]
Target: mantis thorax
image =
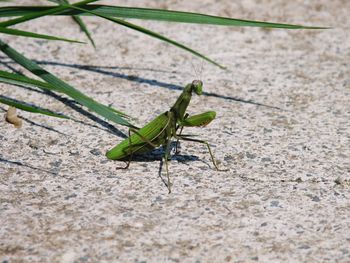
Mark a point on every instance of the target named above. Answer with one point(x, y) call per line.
point(181, 104)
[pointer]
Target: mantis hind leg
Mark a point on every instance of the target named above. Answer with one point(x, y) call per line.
point(166, 157)
point(130, 156)
point(130, 144)
point(208, 146)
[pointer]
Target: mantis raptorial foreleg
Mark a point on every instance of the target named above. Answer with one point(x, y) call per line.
point(198, 120)
point(177, 141)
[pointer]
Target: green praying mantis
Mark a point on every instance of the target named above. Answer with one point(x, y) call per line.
point(163, 128)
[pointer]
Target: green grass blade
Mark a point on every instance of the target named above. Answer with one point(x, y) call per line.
point(81, 24)
point(22, 33)
point(50, 11)
point(83, 28)
point(17, 79)
point(64, 87)
point(27, 107)
point(154, 14)
point(152, 34)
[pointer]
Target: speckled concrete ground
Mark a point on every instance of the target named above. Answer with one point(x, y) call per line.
point(286, 194)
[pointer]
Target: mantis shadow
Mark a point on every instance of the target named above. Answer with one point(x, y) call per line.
point(158, 155)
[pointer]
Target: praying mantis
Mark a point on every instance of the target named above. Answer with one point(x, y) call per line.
point(163, 128)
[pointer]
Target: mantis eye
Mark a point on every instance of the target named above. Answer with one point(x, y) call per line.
point(197, 86)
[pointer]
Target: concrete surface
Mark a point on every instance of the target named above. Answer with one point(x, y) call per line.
point(286, 195)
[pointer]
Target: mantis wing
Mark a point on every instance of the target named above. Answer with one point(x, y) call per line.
point(143, 140)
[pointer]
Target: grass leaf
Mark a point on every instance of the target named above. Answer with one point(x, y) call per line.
point(83, 28)
point(27, 107)
point(50, 11)
point(81, 24)
point(64, 87)
point(153, 14)
point(22, 33)
point(17, 79)
point(151, 33)
point(108, 12)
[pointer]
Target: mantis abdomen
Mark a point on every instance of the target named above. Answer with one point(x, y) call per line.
point(143, 140)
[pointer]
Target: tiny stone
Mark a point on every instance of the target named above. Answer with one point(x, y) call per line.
point(250, 155)
point(316, 199)
point(70, 196)
point(228, 158)
point(159, 198)
point(228, 258)
point(304, 247)
point(95, 152)
point(344, 251)
point(299, 180)
point(338, 181)
point(56, 163)
point(73, 153)
point(84, 258)
point(274, 203)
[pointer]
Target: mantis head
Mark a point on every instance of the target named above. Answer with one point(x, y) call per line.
point(197, 86)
